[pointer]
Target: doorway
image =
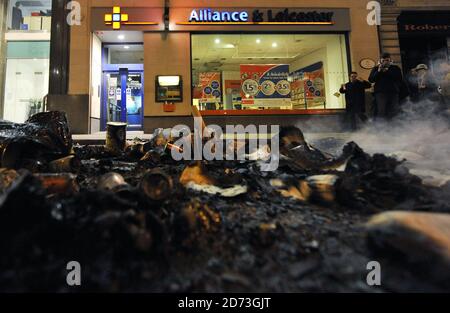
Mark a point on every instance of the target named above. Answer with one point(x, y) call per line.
point(121, 79)
point(123, 94)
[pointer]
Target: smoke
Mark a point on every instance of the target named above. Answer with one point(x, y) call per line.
point(420, 134)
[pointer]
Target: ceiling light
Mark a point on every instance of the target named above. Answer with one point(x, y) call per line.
point(126, 47)
point(217, 41)
point(229, 46)
point(258, 40)
point(274, 45)
point(121, 37)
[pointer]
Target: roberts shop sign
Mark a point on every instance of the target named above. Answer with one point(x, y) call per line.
point(264, 17)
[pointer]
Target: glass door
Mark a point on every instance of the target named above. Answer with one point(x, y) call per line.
point(114, 101)
point(124, 98)
point(134, 99)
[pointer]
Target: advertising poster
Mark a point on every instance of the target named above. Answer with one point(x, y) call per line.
point(232, 93)
point(265, 85)
point(211, 89)
point(298, 91)
point(313, 81)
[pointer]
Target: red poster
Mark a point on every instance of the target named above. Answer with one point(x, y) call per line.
point(312, 93)
point(210, 84)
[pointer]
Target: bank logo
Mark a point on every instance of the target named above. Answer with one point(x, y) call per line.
point(117, 19)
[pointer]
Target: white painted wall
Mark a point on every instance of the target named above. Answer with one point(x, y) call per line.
point(228, 75)
point(336, 71)
point(96, 77)
point(26, 79)
point(334, 58)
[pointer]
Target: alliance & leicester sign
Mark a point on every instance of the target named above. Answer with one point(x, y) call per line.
point(286, 16)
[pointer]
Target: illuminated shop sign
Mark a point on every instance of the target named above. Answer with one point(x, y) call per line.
point(426, 28)
point(286, 16)
point(411, 23)
point(117, 19)
point(209, 15)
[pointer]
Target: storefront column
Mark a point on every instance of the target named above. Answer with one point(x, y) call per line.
point(59, 49)
point(3, 14)
point(75, 106)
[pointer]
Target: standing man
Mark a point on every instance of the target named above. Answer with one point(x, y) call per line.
point(17, 17)
point(355, 98)
point(423, 84)
point(388, 81)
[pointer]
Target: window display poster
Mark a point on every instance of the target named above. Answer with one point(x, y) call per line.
point(210, 84)
point(232, 94)
point(313, 78)
point(265, 84)
point(298, 93)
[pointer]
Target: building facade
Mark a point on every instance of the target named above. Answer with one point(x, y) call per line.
point(3, 14)
point(25, 57)
point(239, 62)
point(416, 31)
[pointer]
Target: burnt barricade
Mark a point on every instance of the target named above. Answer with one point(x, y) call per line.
point(45, 137)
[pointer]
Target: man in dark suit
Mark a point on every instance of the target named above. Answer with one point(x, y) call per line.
point(355, 98)
point(17, 18)
point(389, 86)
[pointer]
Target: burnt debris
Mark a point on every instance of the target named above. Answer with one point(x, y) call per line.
point(136, 220)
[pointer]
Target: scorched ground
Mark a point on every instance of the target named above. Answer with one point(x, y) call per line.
point(137, 221)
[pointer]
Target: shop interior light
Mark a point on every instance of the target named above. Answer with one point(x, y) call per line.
point(274, 45)
point(217, 41)
point(258, 41)
point(121, 37)
point(167, 81)
point(126, 47)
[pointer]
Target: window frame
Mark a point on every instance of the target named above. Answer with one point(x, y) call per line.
point(252, 112)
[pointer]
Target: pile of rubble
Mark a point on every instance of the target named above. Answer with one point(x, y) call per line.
point(136, 220)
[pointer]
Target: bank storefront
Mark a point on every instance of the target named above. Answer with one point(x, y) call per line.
point(149, 65)
point(27, 58)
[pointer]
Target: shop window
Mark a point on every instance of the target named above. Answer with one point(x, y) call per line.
point(27, 76)
point(268, 72)
point(124, 53)
point(29, 15)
